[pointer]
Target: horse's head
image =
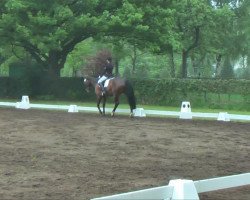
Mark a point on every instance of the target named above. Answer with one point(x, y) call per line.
point(87, 83)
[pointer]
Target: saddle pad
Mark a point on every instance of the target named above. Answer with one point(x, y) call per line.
point(107, 82)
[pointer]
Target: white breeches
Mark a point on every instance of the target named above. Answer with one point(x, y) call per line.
point(103, 78)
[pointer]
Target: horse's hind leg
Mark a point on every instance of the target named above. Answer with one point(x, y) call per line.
point(103, 104)
point(116, 105)
point(98, 104)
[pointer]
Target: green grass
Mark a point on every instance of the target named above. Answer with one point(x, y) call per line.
point(146, 107)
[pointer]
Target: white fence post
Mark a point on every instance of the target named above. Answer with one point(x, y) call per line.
point(183, 189)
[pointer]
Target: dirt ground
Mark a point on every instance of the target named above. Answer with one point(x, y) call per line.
point(58, 155)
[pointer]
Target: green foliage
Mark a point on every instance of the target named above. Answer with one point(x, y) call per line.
point(45, 88)
point(78, 57)
point(56, 33)
point(224, 94)
point(49, 30)
point(204, 93)
point(147, 66)
point(244, 73)
point(227, 70)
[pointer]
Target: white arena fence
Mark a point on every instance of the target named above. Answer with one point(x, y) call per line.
point(183, 189)
point(139, 111)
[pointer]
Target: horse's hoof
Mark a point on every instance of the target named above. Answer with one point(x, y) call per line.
point(102, 114)
point(112, 114)
point(131, 115)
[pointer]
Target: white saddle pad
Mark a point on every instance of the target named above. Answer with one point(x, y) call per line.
point(107, 82)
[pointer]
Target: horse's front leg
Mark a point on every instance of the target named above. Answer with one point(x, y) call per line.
point(99, 98)
point(116, 99)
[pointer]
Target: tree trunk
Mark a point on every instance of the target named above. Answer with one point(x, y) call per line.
point(185, 52)
point(116, 67)
point(55, 63)
point(184, 64)
point(218, 64)
point(171, 62)
point(134, 57)
point(54, 71)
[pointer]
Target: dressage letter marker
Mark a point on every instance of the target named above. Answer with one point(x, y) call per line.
point(185, 110)
point(73, 109)
point(139, 112)
point(223, 116)
point(24, 104)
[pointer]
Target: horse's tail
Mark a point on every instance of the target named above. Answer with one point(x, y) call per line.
point(129, 92)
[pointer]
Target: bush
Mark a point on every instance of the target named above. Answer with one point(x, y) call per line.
point(202, 93)
point(228, 94)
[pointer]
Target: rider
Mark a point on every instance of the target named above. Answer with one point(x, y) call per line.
point(108, 72)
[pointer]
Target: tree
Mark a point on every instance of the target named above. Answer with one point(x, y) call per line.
point(79, 57)
point(192, 17)
point(227, 71)
point(160, 36)
point(225, 37)
point(50, 29)
point(242, 38)
point(95, 64)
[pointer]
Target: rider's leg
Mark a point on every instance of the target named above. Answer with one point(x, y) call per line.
point(102, 88)
point(101, 83)
point(103, 78)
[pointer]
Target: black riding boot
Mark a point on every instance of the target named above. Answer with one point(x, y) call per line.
point(102, 88)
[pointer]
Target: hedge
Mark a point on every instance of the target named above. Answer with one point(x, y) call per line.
point(210, 93)
point(201, 93)
point(44, 88)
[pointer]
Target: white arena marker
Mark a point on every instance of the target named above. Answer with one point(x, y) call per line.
point(185, 110)
point(24, 104)
point(73, 109)
point(184, 189)
point(223, 116)
point(139, 112)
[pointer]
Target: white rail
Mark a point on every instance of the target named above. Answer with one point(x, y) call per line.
point(183, 189)
point(147, 112)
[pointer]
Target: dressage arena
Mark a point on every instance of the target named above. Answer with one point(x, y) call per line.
point(48, 154)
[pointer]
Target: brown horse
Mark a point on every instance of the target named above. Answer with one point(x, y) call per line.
point(115, 88)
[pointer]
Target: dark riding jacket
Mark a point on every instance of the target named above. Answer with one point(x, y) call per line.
point(108, 70)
